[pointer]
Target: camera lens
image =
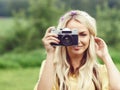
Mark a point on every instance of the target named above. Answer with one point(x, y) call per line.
point(67, 40)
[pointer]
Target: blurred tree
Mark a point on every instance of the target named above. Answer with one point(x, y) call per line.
point(42, 14)
point(108, 24)
point(85, 5)
point(114, 3)
point(29, 29)
point(7, 6)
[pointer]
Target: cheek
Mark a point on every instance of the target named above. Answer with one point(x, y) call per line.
point(87, 40)
point(84, 40)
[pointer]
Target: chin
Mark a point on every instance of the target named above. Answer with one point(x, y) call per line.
point(78, 52)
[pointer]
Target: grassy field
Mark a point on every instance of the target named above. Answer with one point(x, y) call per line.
point(18, 79)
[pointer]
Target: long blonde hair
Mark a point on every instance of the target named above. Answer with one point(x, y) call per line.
point(88, 72)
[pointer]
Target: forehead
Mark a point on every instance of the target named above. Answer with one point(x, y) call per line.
point(72, 24)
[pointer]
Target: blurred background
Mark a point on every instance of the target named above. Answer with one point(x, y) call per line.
point(23, 24)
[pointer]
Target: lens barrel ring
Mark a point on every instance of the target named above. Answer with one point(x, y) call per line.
point(67, 40)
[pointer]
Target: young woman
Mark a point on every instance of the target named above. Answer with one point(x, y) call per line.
point(76, 67)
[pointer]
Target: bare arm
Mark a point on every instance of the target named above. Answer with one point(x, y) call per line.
point(113, 72)
point(47, 77)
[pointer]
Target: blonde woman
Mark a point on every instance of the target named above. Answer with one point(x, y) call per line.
point(75, 67)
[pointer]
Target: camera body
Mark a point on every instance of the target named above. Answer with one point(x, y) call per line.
point(66, 36)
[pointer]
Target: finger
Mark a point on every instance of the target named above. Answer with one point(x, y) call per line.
point(49, 40)
point(53, 38)
point(49, 29)
point(51, 35)
point(99, 41)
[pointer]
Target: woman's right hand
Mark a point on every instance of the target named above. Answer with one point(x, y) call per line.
point(48, 39)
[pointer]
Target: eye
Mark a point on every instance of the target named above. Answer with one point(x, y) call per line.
point(82, 34)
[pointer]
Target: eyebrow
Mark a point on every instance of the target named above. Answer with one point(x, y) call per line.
point(83, 31)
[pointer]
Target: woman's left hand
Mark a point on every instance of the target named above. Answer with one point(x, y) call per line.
point(113, 72)
point(101, 48)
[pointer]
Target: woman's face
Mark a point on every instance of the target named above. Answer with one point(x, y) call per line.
point(83, 38)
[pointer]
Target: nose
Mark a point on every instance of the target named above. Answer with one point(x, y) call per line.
point(79, 40)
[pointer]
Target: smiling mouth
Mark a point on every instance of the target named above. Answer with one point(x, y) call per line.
point(77, 47)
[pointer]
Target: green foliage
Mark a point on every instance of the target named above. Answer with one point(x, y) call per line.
point(108, 25)
point(6, 34)
point(23, 30)
point(30, 29)
point(35, 58)
point(23, 59)
point(115, 55)
point(44, 14)
point(8, 6)
point(85, 5)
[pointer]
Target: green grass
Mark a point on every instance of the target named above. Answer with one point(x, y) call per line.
point(18, 79)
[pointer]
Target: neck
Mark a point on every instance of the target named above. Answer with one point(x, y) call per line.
point(75, 61)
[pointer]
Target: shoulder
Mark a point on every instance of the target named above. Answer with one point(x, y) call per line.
point(42, 66)
point(43, 63)
point(102, 68)
point(40, 72)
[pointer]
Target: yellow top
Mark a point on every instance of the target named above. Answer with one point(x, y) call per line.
point(73, 80)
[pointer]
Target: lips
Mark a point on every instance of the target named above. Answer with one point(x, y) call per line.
point(77, 47)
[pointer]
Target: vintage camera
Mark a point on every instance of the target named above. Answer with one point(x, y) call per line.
point(66, 36)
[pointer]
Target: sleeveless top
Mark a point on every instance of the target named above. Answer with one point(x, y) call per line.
point(73, 80)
